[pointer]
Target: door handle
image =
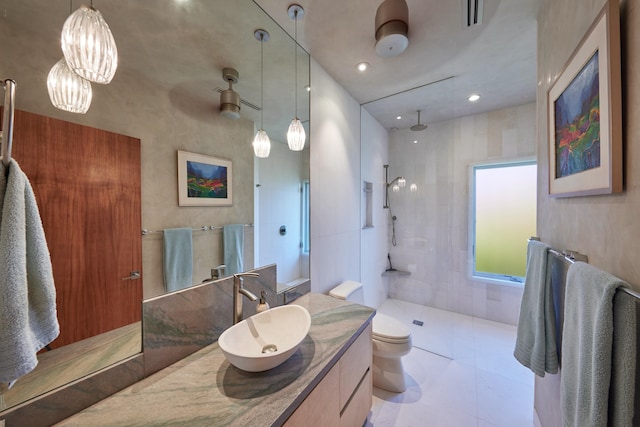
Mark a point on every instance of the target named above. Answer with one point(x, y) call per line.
point(135, 275)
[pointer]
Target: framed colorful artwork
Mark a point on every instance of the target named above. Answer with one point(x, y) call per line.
point(585, 114)
point(204, 180)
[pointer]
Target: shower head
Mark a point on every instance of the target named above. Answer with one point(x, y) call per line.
point(418, 127)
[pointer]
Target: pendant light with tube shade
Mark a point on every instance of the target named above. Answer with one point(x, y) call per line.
point(88, 45)
point(67, 90)
point(261, 143)
point(296, 135)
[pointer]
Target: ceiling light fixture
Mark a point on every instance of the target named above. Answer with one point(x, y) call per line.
point(362, 66)
point(67, 90)
point(261, 143)
point(307, 88)
point(230, 99)
point(296, 135)
point(392, 26)
point(474, 97)
point(88, 45)
point(398, 117)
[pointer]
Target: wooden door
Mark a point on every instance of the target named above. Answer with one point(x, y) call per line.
point(87, 185)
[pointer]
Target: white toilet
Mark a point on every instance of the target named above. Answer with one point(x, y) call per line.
point(391, 341)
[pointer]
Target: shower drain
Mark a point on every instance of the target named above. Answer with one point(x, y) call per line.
point(418, 322)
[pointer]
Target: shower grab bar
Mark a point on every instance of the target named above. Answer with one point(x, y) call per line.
point(573, 256)
point(203, 228)
point(7, 120)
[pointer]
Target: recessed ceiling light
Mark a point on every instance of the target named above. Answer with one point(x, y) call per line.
point(362, 66)
point(415, 141)
point(399, 118)
point(474, 97)
point(307, 88)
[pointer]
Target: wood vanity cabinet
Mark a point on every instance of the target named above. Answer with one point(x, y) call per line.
point(344, 396)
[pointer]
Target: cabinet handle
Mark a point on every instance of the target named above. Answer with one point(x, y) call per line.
point(135, 275)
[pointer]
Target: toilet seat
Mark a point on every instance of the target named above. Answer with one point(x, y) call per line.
point(390, 330)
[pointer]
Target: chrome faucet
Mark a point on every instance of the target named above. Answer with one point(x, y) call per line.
point(238, 291)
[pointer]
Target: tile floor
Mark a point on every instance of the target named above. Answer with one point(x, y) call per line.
point(479, 384)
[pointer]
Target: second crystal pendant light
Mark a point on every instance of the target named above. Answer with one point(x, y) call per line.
point(261, 142)
point(296, 135)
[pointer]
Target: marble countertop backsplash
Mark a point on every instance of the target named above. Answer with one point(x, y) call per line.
point(205, 389)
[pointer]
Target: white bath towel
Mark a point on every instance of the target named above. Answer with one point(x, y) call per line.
point(28, 319)
point(598, 350)
point(536, 335)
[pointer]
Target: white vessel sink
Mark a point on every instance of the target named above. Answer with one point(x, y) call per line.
point(267, 339)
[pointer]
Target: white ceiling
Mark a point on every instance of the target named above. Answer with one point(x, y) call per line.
point(184, 44)
point(496, 59)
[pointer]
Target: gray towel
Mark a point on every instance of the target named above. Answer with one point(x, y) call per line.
point(177, 258)
point(28, 319)
point(536, 334)
point(598, 350)
point(233, 236)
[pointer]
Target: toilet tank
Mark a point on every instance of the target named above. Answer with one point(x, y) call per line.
point(350, 291)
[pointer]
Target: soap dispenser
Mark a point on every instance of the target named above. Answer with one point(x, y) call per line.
point(262, 305)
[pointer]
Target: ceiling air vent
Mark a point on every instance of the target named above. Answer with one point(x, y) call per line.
point(472, 13)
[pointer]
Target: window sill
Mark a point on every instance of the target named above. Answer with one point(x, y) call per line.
point(499, 282)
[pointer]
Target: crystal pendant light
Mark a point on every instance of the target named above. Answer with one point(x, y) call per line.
point(67, 90)
point(88, 45)
point(261, 142)
point(296, 135)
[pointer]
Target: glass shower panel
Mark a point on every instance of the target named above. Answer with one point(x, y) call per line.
point(423, 235)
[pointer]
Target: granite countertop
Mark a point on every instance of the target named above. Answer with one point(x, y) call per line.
point(205, 389)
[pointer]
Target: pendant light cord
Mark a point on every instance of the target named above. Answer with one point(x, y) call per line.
point(261, 81)
point(295, 60)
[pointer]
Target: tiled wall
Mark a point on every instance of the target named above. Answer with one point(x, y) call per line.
point(432, 225)
point(178, 324)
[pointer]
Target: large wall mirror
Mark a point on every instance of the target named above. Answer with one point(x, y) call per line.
point(166, 93)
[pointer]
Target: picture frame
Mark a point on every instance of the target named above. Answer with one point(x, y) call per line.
point(585, 114)
point(204, 180)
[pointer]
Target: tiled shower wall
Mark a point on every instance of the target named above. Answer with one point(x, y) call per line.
point(433, 222)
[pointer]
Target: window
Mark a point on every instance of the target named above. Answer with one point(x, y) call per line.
point(305, 218)
point(503, 217)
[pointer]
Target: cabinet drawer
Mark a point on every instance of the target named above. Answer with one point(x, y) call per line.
point(353, 365)
point(320, 408)
point(357, 409)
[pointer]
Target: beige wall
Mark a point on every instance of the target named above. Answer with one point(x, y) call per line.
point(605, 228)
point(165, 120)
point(432, 226)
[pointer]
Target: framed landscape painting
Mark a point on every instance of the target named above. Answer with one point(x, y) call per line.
point(204, 180)
point(585, 114)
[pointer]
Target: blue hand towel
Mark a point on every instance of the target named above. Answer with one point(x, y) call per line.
point(598, 350)
point(178, 258)
point(28, 319)
point(536, 334)
point(233, 236)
